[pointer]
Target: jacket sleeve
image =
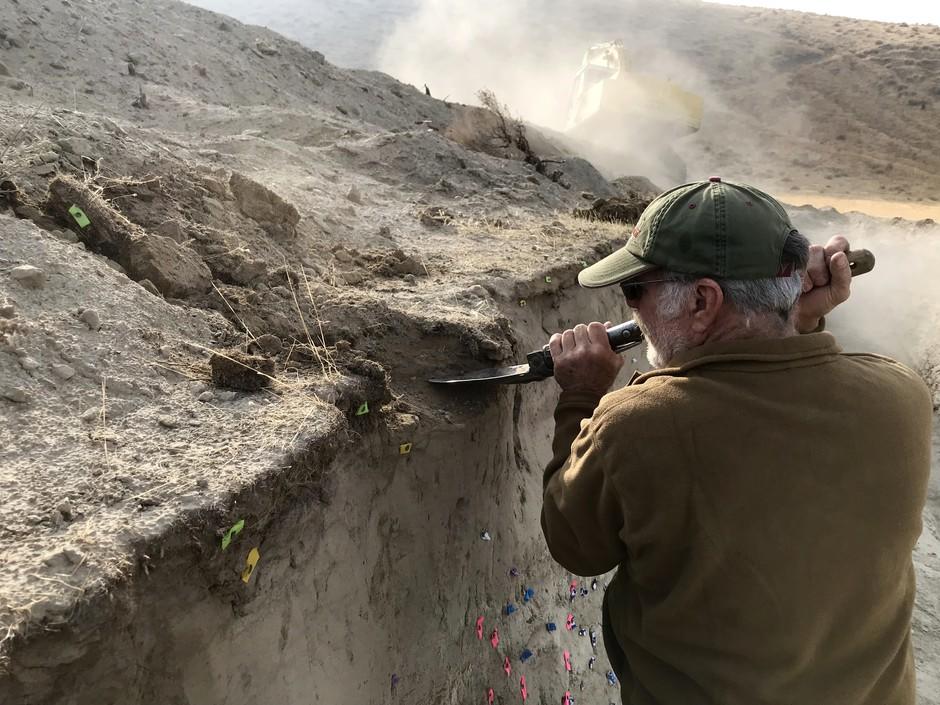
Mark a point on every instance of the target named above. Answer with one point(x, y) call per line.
point(582, 515)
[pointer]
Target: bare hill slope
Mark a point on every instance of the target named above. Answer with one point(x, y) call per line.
point(795, 101)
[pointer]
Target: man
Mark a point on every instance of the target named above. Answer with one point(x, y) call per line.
point(760, 491)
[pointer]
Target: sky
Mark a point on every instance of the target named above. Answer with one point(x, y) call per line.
point(911, 11)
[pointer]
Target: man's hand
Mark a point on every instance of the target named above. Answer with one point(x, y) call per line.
point(826, 283)
point(584, 360)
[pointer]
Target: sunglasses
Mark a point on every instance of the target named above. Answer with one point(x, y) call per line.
point(633, 291)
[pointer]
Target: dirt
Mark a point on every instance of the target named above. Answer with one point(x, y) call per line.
point(225, 478)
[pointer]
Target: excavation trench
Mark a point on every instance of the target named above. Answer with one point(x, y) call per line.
point(374, 569)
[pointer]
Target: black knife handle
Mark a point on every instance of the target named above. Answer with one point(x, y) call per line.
point(622, 337)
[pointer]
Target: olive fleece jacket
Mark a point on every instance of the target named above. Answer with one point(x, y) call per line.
point(761, 499)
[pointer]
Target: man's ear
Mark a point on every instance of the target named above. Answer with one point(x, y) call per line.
point(707, 301)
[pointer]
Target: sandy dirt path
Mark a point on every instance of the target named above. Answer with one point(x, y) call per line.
point(873, 207)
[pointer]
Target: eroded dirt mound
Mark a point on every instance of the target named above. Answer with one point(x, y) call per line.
point(613, 210)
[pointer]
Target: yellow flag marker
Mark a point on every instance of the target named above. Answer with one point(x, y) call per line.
point(253, 557)
point(404, 448)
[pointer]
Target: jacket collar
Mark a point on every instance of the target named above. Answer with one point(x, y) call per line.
point(791, 351)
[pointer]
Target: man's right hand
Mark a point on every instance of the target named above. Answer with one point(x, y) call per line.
point(826, 284)
point(584, 360)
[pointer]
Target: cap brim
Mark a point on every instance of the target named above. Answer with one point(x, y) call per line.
point(615, 267)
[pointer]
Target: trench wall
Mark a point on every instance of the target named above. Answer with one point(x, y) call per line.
point(369, 593)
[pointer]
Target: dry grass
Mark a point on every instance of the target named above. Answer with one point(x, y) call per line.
point(318, 349)
point(558, 231)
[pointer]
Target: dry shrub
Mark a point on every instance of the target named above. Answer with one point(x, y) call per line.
point(474, 129)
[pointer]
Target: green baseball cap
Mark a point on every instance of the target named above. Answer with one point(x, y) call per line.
point(708, 228)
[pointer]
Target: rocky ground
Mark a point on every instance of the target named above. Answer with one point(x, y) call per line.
point(227, 268)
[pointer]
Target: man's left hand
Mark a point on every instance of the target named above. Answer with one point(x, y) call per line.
point(826, 284)
point(584, 360)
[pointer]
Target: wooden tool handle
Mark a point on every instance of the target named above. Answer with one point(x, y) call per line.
point(861, 261)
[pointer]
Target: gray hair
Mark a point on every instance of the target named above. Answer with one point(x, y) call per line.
point(751, 297)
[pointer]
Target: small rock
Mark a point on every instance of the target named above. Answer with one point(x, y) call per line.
point(28, 363)
point(198, 388)
point(206, 396)
point(63, 372)
point(165, 351)
point(78, 146)
point(29, 276)
point(65, 509)
point(90, 318)
point(173, 229)
point(266, 48)
point(239, 371)
point(435, 216)
point(63, 559)
point(15, 84)
point(168, 422)
point(226, 396)
point(478, 291)
point(266, 344)
point(90, 415)
point(202, 483)
point(49, 157)
point(354, 195)
point(7, 311)
point(17, 395)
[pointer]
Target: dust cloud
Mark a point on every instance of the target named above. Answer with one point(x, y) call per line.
point(529, 54)
point(894, 309)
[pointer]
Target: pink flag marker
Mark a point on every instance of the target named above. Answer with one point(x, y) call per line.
point(507, 666)
point(480, 628)
point(567, 657)
point(490, 696)
point(494, 637)
point(566, 700)
point(569, 623)
point(523, 689)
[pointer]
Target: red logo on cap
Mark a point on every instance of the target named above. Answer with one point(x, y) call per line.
point(636, 231)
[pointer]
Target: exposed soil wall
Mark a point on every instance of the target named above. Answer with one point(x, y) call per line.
point(370, 580)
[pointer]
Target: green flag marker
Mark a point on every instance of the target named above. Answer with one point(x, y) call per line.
point(363, 410)
point(80, 217)
point(232, 533)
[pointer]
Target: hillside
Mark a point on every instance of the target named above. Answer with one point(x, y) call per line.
point(804, 104)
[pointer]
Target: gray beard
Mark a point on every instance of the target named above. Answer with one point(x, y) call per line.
point(663, 342)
